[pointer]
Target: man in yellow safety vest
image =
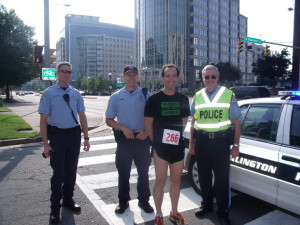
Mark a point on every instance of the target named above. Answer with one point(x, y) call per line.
point(215, 112)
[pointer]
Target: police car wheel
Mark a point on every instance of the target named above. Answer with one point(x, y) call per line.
point(193, 174)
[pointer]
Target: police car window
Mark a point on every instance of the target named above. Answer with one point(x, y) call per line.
point(295, 128)
point(261, 121)
point(244, 111)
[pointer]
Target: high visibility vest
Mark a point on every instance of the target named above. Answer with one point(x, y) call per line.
point(213, 116)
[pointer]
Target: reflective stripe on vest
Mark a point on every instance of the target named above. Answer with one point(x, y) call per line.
point(212, 116)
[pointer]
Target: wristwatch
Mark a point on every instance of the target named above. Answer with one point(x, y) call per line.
point(236, 145)
point(86, 138)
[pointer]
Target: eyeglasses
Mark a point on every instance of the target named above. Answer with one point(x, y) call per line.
point(210, 77)
point(65, 71)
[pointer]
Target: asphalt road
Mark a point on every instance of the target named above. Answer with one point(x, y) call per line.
point(25, 188)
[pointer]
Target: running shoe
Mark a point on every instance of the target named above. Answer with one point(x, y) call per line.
point(177, 218)
point(159, 220)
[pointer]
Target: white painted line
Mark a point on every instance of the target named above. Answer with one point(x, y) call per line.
point(110, 137)
point(93, 197)
point(275, 217)
point(102, 147)
point(107, 180)
point(86, 161)
point(188, 200)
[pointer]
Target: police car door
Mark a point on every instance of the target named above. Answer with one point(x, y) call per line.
point(255, 171)
point(289, 161)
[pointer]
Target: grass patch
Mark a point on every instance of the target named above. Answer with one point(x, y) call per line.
point(4, 109)
point(11, 125)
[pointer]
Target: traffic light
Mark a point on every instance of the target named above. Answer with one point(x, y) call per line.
point(267, 50)
point(240, 46)
point(37, 55)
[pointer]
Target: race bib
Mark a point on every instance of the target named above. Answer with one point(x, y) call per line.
point(171, 137)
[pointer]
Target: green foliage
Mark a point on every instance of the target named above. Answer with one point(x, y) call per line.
point(273, 69)
point(16, 66)
point(11, 126)
point(228, 72)
point(4, 109)
point(92, 83)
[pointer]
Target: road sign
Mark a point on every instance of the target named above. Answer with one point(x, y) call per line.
point(253, 40)
point(121, 84)
point(48, 74)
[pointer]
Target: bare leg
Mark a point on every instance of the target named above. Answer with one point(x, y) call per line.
point(175, 178)
point(161, 171)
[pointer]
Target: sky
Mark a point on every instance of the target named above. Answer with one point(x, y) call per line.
point(268, 20)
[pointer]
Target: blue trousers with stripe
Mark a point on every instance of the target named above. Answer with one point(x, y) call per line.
point(66, 147)
point(213, 155)
point(127, 152)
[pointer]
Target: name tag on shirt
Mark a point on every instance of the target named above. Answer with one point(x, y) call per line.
point(171, 137)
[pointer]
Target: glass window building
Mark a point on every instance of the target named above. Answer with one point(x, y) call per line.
point(95, 48)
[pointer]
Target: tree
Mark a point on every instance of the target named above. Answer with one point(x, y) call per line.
point(228, 72)
point(273, 69)
point(16, 66)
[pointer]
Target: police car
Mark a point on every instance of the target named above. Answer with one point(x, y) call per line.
point(268, 166)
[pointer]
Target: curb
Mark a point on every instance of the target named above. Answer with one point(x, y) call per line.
point(92, 130)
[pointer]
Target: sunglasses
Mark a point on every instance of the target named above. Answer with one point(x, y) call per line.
point(210, 77)
point(65, 71)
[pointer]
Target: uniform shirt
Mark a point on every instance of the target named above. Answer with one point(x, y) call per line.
point(53, 104)
point(128, 108)
point(234, 110)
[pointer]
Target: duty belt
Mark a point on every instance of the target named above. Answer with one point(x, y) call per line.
point(214, 135)
point(56, 130)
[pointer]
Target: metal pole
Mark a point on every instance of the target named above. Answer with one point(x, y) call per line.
point(296, 52)
point(46, 35)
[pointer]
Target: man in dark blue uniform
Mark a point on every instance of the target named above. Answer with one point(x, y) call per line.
point(127, 106)
point(59, 107)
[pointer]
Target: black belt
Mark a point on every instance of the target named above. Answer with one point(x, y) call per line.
point(214, 135)
point(55, 130)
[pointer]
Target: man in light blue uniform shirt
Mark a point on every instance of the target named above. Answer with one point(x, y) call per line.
point(59, 109)
point(125, 114)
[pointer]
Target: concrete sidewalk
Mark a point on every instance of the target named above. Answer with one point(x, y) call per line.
point(29, 112)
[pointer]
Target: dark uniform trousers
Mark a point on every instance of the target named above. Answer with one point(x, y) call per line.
point(137, 151)
point(213, 154)
point(66, 147)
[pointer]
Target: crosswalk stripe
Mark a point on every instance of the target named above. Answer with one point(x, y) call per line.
point(100, 147)
point(86, 161)
point(107, 180)
point(103, 138)
point(188, 200)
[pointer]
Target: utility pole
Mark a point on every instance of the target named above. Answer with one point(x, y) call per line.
point(296, 51)
point(46, 35)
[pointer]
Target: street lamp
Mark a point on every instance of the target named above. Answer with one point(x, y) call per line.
point(296, 44)
point(110, 84)
point(47, 33)
point(145, 76)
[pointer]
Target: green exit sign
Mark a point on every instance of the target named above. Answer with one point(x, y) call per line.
point(48, 74)
point(120, 84)
point(253, 40)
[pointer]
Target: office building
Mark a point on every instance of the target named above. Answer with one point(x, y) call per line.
point(95, 48)
point(190, 34)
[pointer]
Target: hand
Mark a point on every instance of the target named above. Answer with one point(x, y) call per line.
point(234, 152)
point(142, 135)
point(86, 145)
point(47, 149)
point(128, 133)
point(192, 148)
